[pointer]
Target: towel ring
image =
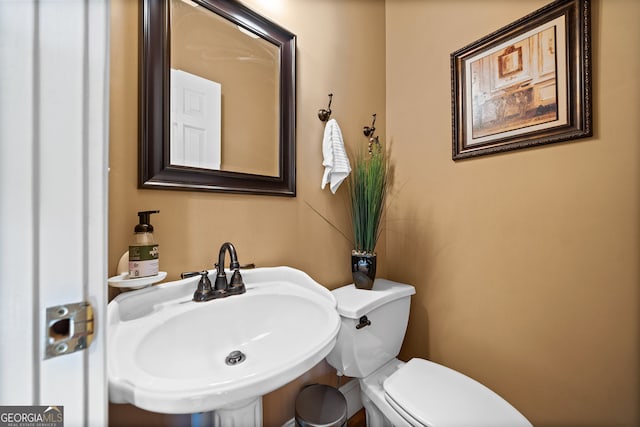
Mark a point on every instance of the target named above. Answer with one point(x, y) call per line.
point(323, 114)
point(369, 130)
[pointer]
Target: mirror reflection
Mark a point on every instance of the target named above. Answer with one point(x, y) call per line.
point(224, 94)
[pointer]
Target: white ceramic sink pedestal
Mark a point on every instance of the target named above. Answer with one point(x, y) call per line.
point(167, 353)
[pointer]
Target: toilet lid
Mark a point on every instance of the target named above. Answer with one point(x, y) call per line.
point(354, 303)
point(428, 394)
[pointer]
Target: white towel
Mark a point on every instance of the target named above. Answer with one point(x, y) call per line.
point(336, 163)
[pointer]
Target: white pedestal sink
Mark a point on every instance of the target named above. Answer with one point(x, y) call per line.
point(168, 354)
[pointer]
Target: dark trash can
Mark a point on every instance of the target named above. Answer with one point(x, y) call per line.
point(320, 405)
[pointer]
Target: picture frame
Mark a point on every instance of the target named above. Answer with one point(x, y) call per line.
point(524, 85)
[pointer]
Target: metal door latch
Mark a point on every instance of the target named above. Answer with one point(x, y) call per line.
point(69, 329)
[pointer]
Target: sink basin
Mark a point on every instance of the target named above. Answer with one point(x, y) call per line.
point(168, 354)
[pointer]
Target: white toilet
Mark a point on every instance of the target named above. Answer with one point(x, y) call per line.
point(416, 393)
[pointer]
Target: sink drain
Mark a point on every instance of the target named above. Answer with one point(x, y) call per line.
point(235, 357)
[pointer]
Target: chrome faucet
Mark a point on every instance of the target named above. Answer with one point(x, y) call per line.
point(236, 286)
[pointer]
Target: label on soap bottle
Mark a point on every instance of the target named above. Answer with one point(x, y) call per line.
point(143, 261)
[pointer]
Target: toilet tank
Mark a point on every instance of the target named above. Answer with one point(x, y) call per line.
point(365, 344)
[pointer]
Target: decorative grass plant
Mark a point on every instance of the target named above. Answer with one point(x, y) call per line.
point(368, 186)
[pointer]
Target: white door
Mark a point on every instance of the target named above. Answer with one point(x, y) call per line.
point(53, 204)
point(195, 121)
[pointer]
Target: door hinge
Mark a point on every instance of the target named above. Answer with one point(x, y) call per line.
point(69, 329)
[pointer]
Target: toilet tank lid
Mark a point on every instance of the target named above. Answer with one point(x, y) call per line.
point(435, 395)
point(355, 303)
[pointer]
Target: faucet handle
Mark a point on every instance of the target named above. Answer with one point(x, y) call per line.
point(187, 274)
point(236, 286)
point(204, 288)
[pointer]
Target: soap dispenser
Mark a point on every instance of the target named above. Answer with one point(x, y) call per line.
point(144, 257)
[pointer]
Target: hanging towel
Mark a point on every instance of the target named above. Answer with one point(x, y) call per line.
point(336, 163)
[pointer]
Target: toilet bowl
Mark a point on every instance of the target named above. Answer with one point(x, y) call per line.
point(415, 393)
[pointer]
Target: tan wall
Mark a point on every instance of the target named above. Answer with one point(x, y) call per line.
point(526, 263)
point(340, 50)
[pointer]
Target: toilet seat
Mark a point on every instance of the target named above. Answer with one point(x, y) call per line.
point(428, 394)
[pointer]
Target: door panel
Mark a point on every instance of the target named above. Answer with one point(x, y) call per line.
point(53, 198)
point(195, 121)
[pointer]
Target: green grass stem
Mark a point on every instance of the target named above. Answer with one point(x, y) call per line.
point(368, 188)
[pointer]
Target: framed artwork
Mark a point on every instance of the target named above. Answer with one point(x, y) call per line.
point(526, 84)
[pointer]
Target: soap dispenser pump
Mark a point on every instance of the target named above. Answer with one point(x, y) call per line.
point(144, 256)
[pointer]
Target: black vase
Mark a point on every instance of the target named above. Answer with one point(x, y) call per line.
point(363, 269)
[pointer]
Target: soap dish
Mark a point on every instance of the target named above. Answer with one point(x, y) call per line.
point(124, 281)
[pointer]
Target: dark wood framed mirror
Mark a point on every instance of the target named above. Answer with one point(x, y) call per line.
point(241, 114)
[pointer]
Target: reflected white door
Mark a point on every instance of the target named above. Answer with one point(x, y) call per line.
point(53, 203)
point(195, 121)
